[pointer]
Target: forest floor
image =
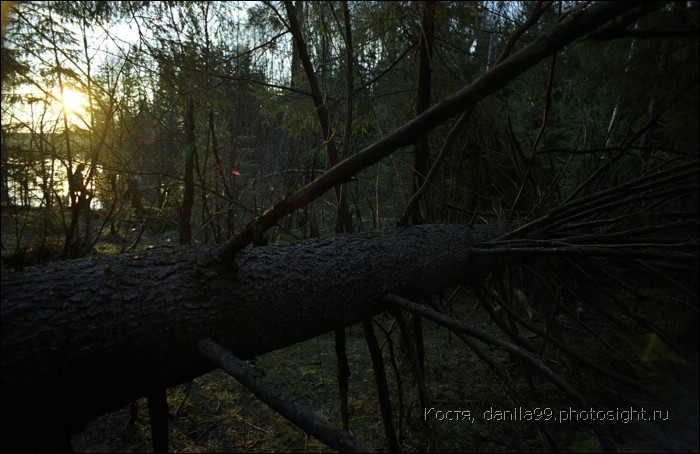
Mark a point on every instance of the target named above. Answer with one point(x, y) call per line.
point(473, 411)
point(216, 414)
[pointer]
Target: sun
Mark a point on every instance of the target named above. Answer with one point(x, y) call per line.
point(73, 101)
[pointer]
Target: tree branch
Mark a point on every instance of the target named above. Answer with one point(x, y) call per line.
point(286, 405)
point(574, 26)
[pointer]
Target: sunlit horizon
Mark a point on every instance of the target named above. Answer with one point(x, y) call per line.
point(34, 106)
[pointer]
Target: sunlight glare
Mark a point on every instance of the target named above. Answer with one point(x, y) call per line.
point(74, 101)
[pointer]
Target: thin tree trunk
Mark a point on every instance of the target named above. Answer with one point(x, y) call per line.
point(382, 386)
point(425, 60)
point(614, 117)
point(343, 369)
point(344, 223)
point(185, 228)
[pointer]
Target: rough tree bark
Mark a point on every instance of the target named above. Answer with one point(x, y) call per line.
point(84, 337)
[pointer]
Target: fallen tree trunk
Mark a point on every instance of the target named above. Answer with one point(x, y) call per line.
point(84, 337)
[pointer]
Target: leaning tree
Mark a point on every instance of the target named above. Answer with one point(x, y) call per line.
point(85, 337)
